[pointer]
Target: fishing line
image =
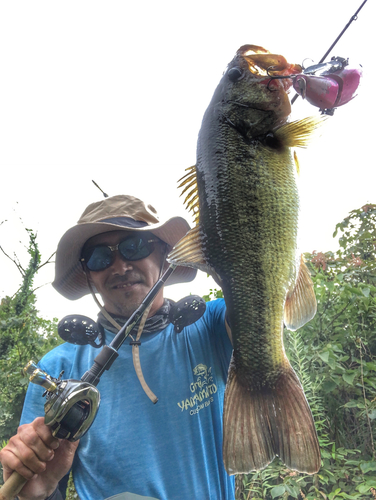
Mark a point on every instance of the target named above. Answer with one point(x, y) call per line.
point(353, 18)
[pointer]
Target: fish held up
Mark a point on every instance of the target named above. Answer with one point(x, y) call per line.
point(244, 197)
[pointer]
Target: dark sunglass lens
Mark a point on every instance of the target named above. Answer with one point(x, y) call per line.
point(99, 259)
point(135, 248)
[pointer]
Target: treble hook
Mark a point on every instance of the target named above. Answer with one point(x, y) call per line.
point(272, 77)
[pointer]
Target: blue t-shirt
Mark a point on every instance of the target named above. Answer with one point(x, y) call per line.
point(171, 450)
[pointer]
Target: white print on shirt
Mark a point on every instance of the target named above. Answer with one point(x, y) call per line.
point(202, 390)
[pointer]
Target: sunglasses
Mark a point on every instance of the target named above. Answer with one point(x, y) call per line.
point(133, 247)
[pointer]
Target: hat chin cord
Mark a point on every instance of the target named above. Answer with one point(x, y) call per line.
point(135, 343)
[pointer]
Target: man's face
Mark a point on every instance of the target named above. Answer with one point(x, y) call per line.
point(124, 284)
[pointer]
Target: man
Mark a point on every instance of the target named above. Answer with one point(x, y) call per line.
point(171, 450)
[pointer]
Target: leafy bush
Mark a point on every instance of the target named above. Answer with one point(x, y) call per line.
point(24, 335)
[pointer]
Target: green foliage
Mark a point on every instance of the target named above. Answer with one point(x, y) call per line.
point(71, 493)
point(24, 335)
point(334, 357)
point(213, 294)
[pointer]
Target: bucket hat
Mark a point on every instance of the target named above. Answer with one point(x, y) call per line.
point(111, 214)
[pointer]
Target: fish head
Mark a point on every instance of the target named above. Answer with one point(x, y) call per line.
point(253, 94)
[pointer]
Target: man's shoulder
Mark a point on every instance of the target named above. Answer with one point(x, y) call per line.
point(216, 307)
point(216, 304)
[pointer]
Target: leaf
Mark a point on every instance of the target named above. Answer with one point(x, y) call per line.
point(363, 488)
point(329, 386)
point(293, 491)
point(372, 416)
point(349, 377)
point(333, 494)
point(367, 466)
point(351, 404)
point(365, 291)
point(324, 356)
point(277, 491)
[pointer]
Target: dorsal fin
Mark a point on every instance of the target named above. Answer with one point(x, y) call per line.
point(191, 200)
point(188, 251)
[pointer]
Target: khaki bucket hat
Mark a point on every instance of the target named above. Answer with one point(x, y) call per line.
point(111, 214)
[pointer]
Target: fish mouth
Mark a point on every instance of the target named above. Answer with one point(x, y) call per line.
point(262, 63)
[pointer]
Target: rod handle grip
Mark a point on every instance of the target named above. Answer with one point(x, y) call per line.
point(12, 486)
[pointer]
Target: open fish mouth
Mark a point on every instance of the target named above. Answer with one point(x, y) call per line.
point(262, 63)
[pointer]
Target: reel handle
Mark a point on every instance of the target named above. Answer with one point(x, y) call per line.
point(12, 486)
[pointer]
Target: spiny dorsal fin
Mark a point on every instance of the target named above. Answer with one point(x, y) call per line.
point(300, 306)
point(191, 200)
point(297, 134)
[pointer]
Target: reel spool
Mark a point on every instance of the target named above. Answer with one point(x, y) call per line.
point(71, 405)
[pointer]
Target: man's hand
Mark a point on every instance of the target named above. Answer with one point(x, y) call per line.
point(39, 457)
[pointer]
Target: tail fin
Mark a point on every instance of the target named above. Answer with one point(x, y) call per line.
point(261, 424)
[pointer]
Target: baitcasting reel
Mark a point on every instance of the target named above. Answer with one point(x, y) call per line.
point(71, 405)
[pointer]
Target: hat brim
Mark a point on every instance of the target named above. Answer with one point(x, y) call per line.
point(70, 280)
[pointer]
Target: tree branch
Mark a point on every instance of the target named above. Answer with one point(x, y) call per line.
point(47, 261)
point(18, 265)
point(336, 316)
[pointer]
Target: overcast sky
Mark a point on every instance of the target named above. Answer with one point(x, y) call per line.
point(115, 91)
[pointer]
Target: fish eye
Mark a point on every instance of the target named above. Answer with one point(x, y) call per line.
point(235, 73)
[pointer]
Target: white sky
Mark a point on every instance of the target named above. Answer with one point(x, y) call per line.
point(115, 91)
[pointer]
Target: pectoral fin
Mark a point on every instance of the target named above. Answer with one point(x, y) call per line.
point(300, 306)
point(297, 134)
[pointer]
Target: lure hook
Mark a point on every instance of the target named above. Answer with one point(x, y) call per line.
point(273, 77)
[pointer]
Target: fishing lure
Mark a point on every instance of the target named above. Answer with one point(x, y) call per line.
point(326, 85)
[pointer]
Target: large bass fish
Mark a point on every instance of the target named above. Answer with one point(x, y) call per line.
point(244, 196)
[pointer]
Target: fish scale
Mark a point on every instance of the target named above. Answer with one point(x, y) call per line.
point(246, 212)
